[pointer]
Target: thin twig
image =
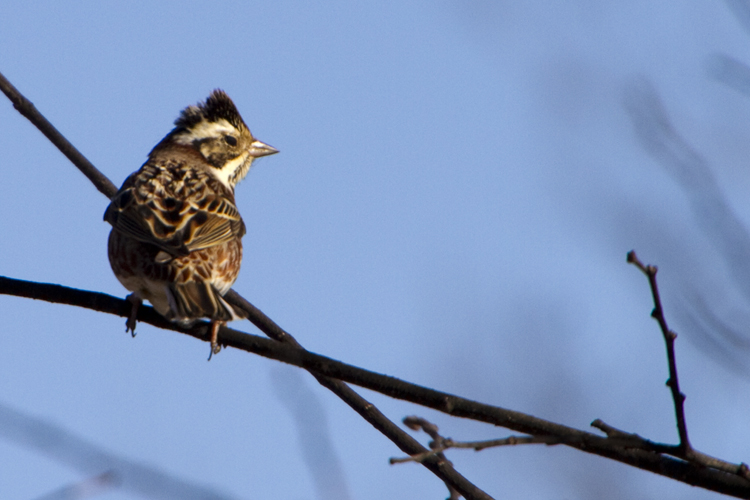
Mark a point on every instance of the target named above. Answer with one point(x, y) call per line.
point(678, 469)
point(448, 443)
point(669, 337)
point(684, 449)
point(439, 443)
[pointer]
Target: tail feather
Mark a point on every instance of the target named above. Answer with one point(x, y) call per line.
point(198, 299)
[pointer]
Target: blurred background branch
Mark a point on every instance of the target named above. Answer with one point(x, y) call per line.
point(89, 459)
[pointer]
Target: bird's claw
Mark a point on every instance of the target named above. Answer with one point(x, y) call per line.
point(130, 323)
point(215, 347)
point(130, 327)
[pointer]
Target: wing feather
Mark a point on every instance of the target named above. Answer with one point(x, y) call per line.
point(158, 210)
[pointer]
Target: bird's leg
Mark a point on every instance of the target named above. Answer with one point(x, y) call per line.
point(215, 347)
point(130, 323)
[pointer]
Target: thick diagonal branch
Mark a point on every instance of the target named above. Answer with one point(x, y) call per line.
point(27, 109)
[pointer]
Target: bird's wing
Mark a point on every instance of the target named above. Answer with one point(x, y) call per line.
point(217, 223)
point(176, 226)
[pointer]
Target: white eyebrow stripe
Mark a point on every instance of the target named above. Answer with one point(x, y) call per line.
point(205, 130)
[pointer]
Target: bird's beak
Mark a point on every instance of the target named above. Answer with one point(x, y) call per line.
point(258, 149)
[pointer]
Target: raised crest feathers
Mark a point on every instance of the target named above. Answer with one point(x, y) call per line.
point(218, 105)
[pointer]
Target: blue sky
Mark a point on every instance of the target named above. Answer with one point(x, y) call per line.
point(457, 188)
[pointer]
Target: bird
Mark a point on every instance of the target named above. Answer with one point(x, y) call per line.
point(176, 237)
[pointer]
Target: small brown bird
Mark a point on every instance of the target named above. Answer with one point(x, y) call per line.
point(176, 236)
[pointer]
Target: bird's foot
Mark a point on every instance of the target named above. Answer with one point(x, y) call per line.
point(130, 323)
point(215, 347)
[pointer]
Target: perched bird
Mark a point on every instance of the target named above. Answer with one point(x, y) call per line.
point(176, 236)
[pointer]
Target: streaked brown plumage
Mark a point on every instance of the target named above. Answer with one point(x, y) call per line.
point(176, 232)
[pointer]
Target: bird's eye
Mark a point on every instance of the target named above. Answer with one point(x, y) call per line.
point(231, 140)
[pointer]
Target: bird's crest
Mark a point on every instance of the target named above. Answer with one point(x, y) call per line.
point(218, 106)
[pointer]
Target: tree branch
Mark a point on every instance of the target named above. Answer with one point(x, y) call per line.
point(27, 109)
point(669, 336)
point(439, 443)
point(731, 483)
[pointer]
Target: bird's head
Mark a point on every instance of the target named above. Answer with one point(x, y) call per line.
point(216, 130)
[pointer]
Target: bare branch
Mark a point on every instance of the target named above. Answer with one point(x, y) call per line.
point(281, 351)
point(365, 409)
point(439, 443)
point(630, 440)
point(669, 336)
point(678, 469)
point(684, 449)
point(27, 109)
point(443, 469)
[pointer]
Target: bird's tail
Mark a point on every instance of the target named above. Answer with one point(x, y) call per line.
point(198, 299)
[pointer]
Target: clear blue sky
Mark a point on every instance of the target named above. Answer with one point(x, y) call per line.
point(457, 188)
